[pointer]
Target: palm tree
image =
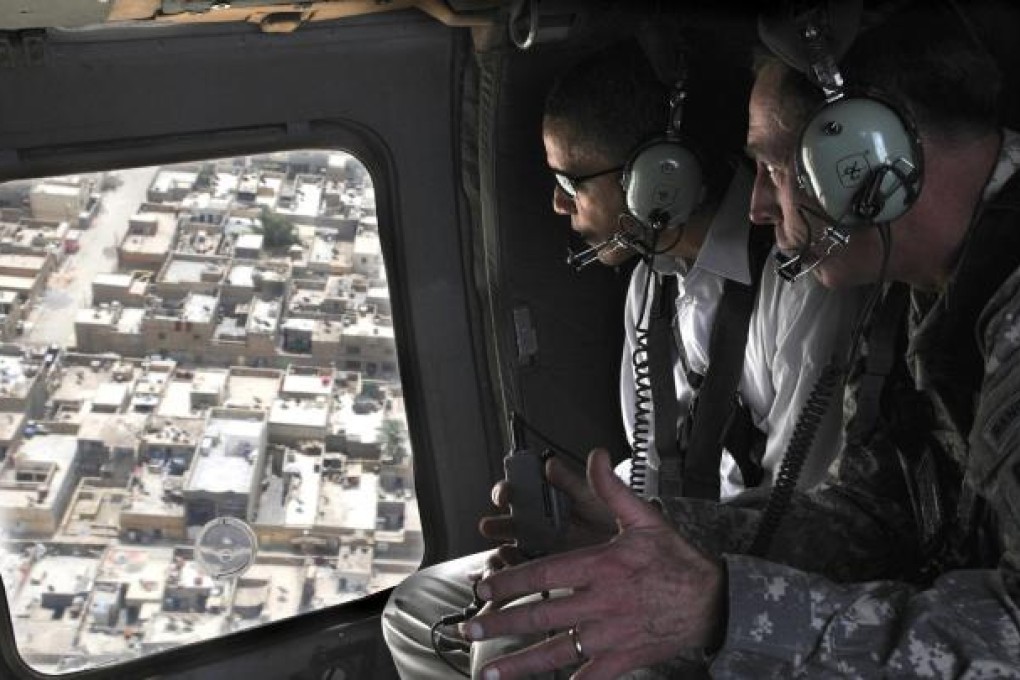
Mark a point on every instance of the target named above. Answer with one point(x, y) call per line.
point(392, 434)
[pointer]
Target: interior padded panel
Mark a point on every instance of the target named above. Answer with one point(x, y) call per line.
point(570, 391)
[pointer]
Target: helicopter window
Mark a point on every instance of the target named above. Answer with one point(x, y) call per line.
point(201, 417)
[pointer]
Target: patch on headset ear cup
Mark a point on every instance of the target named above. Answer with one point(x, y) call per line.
point(663, 183)
point(861, 160)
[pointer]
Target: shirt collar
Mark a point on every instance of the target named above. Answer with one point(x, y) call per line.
point(724, 251)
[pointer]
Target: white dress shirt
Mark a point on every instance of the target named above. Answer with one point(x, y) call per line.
point(793, 331)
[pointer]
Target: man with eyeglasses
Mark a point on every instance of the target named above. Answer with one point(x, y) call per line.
point(596, 115)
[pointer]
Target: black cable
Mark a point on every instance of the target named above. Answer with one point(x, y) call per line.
point(435, 635)
point(814, 410)
point(580, 460)
point(642, 391)
point(797, 450)
point(442, 643)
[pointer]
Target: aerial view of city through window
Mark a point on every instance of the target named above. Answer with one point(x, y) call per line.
point(201, 419)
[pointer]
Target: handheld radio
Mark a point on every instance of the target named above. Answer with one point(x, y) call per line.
point(538, 509)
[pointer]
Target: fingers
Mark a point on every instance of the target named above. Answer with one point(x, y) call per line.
point(556, 572)
point(631, 511)
point(566, 478)
point(502, 557)
point(497, 528)
point(593, 647)
point(537, 615)
point(556, 652)
point(500, 494)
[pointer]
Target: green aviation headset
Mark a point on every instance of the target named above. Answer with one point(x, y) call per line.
point(662, 180)
point(858, 156)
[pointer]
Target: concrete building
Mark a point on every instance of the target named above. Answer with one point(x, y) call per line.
point(368, 259)
point(109, 444)
point(93, 514)
point(172, 184)
point(249, 246)
point(185, 328)
point(151, 385)
point(148, 238)
point(110, 327)
point(25, 275)
point(12, 311)
point(36, 484)
point(30, 236)
point(208, 389)
point(184, 274)
point(225, 475)
point(292, 421)
point(23, 381)
point(12, 425)
point(297, 335)
point(129, 289)
point(60, 198)
point(368, 345)
point(199, 238)
point(252, 388)
point(47, 613)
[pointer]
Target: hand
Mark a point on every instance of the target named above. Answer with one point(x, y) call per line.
point(590, 520)
point(644, 597)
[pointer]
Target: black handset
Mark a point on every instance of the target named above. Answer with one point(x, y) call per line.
point(538, 509)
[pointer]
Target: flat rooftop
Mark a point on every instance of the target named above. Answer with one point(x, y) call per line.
point(301, 412)
point(242, 275)
point(20, 284)
point(199, 308)
point(33, 263)
point(190, 271)
point(10, 424)
point(308, 384)
point(350, 506)
point(167, 180)
point(225, 462)
point(94, 514)
point(250, 241)
point(50, 452)
point(80, 381)
point(151, 244)
point(361, 427)
point(253, 391)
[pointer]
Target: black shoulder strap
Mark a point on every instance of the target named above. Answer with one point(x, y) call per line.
point(882, 349)
point(660, 364)
point(699, 476)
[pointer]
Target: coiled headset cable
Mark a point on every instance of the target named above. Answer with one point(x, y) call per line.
point(642, 381)
point(832, 377)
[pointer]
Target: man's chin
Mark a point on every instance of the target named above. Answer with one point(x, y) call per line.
point(614, 257)
point(832, 274)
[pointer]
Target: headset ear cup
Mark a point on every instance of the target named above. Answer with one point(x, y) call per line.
point(663, 183)
point(861, 160)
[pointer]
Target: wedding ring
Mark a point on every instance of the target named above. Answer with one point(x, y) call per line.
point(575, 637)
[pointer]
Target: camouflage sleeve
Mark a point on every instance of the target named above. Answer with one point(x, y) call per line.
point(856, 527)
point(786, 623)
point(994, 463)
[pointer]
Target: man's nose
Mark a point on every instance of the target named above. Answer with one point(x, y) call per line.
point(563, 204)
point(764, 208)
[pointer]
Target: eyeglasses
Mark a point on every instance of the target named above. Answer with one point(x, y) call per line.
point(570, 184)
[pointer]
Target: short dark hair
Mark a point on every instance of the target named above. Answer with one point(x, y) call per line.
point(609, 102)
point(613, 100)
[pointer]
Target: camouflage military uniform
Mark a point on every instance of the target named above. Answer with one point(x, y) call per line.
point(949, 621)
